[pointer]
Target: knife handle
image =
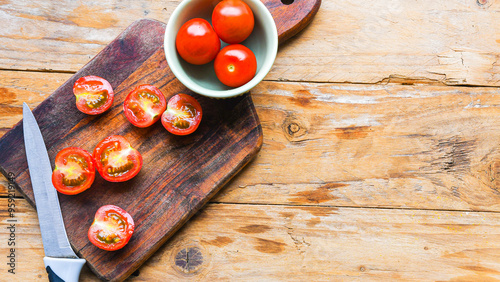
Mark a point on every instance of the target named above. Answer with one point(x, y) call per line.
point(63, 269)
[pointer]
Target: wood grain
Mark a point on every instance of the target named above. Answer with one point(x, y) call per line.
point(397, 146)
point(263, 242)
point(454, 43)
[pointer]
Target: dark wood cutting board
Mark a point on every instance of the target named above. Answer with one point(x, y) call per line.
point(180, 173)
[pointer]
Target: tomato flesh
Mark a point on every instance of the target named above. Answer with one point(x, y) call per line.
point(111, 229)
point(183, 115)
point(94, 95)
point(196, 42)
point(144, 105)
point(116, 160)
point(233, 21)
point(235, 65)
point(74, 171)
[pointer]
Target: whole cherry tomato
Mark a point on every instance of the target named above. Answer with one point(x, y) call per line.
point(74, 171)
point(116, 160)
point(235, 65)
point(183, 115)
point(233, 21)
point(197, 42)
point(94, 95)
point(144, 105)
point(111, 229)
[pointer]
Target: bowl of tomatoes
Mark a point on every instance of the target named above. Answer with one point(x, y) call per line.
point(221, 49)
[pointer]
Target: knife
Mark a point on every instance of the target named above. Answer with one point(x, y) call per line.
point(61, 262)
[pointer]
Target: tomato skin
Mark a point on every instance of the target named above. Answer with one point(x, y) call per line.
point(144, 105)
point(111, 229)
point(235, 65)
point(196, 42)
point(116, 160)
point(183, 115)
point(233, 21)
point(94, 95)
point(74, 171)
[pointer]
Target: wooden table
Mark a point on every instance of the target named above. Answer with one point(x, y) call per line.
point(381, 156)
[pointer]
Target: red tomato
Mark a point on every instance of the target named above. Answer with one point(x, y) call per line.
point(233, 21)
point(235, 65)
point(94, 95)
point(116, 160)
point(197, 42)
point(111, 229)
point(183, 115)
point(74, 171)
point(144, 105)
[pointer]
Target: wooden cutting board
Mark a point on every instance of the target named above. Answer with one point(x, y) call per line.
point(180, 173)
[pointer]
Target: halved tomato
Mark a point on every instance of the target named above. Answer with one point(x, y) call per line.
point(116, 160)
point(112, 228)
point(74, 171)
point(144, 105)
point(183, 115)
point(94, 95)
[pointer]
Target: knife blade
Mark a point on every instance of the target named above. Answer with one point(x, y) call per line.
point(60, 260)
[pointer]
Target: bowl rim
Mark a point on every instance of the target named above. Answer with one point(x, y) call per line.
point(259, 76)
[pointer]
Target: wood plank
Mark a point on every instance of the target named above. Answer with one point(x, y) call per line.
point(404, 146)
point(383, 40)
point(453, 43)
point(262, 242)
point(424, 147)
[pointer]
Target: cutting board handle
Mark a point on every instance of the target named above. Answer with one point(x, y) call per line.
point(291, 16)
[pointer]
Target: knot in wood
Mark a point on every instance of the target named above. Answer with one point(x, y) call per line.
point(189, 260)
point(294, 129)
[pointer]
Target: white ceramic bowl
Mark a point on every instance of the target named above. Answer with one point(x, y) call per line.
point(202, 79)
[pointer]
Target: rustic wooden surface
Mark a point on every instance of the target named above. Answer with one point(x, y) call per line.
point(379, 160)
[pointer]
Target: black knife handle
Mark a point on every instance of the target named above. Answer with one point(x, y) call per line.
point(53, 276)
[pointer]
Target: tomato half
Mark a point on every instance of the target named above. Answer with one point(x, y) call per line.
point(197, 42)
point(183, 115)
point(74, 171)
point(116, 160)
point(233, 21)
point(94, 95)
point(235, 65)
point(144, 105)
point(112, 228)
